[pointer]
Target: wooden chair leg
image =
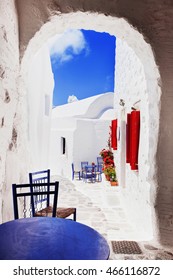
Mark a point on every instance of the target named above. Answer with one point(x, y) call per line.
point(74, 216)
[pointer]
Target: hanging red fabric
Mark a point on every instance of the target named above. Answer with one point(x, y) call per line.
point(128, 129)
point(134, 139)
point(114, 134)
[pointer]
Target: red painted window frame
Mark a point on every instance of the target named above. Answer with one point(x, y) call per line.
point(132, 139)
point(114, 142)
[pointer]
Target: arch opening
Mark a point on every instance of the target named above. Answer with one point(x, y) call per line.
point(150, 97)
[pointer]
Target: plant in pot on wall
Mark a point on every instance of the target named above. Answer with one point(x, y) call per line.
point(106, 171)
point(113, 177)
point(108, 166)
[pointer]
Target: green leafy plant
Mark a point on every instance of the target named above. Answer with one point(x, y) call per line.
point(110, 172)
point(112, 175)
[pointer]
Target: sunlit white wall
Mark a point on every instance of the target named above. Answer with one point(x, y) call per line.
point(85, 134)
point(131, 86)
point(40, 89)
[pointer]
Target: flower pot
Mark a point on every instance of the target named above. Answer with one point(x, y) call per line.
point(107, 177)
point(114, 183)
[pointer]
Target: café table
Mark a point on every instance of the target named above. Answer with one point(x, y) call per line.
point(45, 238)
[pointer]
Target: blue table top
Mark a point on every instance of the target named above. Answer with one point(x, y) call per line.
point(44, 238)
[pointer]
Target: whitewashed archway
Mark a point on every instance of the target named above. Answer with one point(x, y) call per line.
point(126, 33)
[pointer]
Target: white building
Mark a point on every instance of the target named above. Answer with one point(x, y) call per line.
point(79, 131)
point(40, 91)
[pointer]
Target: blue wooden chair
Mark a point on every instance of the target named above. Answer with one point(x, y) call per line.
point(44, 176)
point(89, 174)
point(75, 173)
point(99, 173)
point(99, 165)
point(99, 161)
point(29, 196)
point(83, 165)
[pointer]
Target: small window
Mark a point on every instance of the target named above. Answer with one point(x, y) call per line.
point(63, 146)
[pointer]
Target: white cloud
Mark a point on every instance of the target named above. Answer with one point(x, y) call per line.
point(72, 98)
point(59, 45)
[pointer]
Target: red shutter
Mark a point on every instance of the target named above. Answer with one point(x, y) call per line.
point(128, 138)
point(114, 135)
point(134, 139)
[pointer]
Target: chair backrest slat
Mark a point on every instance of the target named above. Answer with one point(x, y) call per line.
point(84, 164)
point(15, 204)
point(40, 177)
point(99, 160)
point(28, 192)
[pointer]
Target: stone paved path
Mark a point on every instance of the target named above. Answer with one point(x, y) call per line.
point(99, 206)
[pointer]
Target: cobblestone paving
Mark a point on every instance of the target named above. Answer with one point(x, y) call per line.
point(99, 206)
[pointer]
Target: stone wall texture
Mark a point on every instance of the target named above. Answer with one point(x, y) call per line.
point(9, 71)
point(131, 86)
point(150, 19)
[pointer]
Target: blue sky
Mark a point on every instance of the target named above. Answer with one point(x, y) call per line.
point(82, 64)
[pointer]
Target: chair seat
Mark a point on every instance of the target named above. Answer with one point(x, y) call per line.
point(60, 212)
point(65, 212)
point(88, 173)
point(42, 211)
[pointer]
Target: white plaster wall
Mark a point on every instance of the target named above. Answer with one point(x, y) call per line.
point(90, 138)
point(40, 90)
point(109, 114)
point(60, 164)
point(61, 127)
point(91, 108)
point(131, 86)
point(60, 123)
point(85, 137)
point(84, 141)
point(10, 166)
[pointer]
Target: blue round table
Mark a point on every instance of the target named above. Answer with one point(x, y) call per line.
point(45, 238)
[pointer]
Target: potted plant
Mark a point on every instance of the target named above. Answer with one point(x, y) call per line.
point(106, 171)
point(113, 178)
point(108, 166)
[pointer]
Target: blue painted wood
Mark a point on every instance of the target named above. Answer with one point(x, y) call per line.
point(51, 239)
point(89, 173)
point(26, 190)
point(44, 176)
point(99, 161)
point(75, 172)
point(99, 172)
